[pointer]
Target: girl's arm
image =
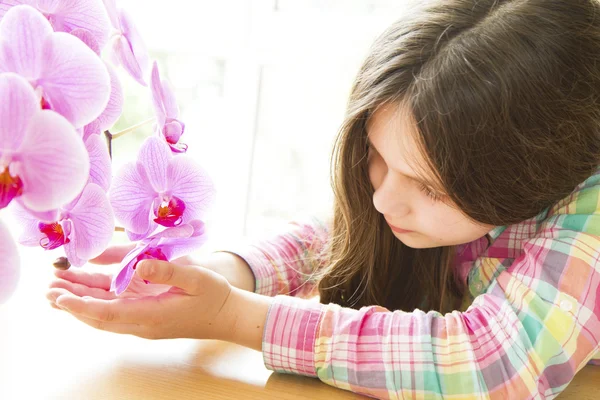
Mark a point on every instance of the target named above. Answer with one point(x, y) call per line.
point(524, 336)
point(287, 263)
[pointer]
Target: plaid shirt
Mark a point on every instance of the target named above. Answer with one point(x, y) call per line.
point(530, 318)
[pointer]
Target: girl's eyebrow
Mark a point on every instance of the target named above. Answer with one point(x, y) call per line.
point(430, 185)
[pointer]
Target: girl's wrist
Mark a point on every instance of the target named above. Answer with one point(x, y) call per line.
point(244, 317)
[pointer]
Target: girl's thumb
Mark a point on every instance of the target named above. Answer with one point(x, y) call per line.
point(186, 277)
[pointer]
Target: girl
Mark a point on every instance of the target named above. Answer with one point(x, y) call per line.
point(462, 259)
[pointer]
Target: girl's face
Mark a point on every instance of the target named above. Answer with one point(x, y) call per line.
point(417, 212)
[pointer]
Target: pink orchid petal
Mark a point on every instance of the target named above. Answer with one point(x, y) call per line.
point(131, 197)
point(134, 237)
point(54, 163)
point(9, 264)
point(175, 248)
point(131, 50)
point(74, 79)
point(173, 130)
point(91, 129)
point(178, 148)
point(71, 253)
point(169, 100)
point(87, 38)
point(29, 234)
point(114, 108)
point(155, 156)
point(22, 32)
point(67, 15)
point(44, 216)
point(113, 15)
point(199, 227)
point(157, 97)
point(181, 231)
point(93, 222)
point(5, 5)
point(122, 280)
point(125, 58)
point(192, 184)
point(100, 162)
point(19, 104)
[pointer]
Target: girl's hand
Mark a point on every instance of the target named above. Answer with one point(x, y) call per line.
point(196, 307)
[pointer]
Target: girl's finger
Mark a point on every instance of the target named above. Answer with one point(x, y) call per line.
point(113, 254)
point(144, 311)
point(90, 279)
point(82, 290)
point(190, 278)
point(53, 294)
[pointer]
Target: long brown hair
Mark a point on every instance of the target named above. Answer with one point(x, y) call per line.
point(505, 96)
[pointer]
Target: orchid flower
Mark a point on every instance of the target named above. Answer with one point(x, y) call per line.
point(43, 161)
point(167, 111)
point(166, 245)
point(68, 77)
point(100, 162)
point(84, 227)
point(9, 264)
point(113, 109)
point(128, 48)
point(159, 189)
point(68, 15)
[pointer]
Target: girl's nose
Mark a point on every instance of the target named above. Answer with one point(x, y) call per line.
point(390, 199)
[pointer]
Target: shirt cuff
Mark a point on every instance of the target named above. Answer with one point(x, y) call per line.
point(290, 335)
point(265, 273)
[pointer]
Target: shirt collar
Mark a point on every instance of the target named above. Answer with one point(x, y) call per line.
point(495, 232)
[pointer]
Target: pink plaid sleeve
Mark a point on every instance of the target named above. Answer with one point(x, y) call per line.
point(287, 263)
point(533, 324)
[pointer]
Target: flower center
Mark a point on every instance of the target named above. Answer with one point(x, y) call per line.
point(170, 212)
point(10, 187)
point(45, 105)
point(55, 236)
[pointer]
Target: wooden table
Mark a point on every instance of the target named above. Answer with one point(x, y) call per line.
point(47, 354)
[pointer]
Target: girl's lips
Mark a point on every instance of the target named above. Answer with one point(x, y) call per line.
point(398, 230)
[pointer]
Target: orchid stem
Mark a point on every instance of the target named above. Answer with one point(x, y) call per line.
point(133, 128)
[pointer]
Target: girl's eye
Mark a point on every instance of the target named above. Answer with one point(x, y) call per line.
point(434, 196)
